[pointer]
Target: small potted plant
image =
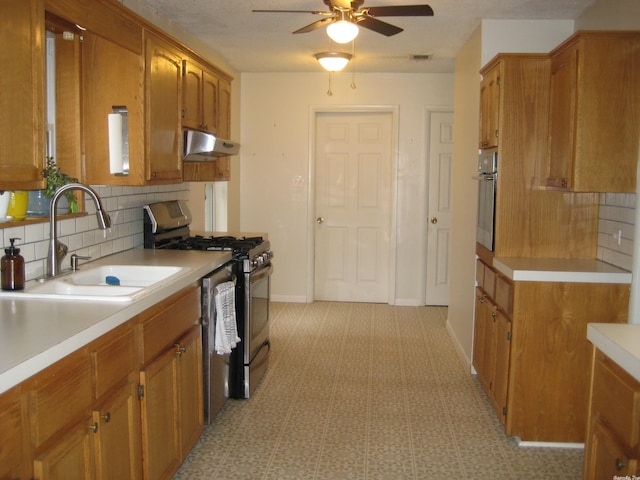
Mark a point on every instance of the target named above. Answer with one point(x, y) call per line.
point(39, 199)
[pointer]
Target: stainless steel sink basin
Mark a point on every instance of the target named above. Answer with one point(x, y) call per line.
point(91, 284)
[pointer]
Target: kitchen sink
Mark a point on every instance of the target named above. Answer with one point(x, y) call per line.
point(107, 283)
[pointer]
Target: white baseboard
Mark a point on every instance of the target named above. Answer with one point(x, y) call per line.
point(289, 298)
point(550, 444)
point(459, 350)
point(408, 302)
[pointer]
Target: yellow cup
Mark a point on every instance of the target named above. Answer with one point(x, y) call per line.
point(18, 203)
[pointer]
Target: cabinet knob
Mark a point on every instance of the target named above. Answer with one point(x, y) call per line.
point(106, 417)
point(94, 427)
point(180, 349)
point(620, 464)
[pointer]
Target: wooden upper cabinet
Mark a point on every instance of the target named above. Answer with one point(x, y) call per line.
point(163, 106)
point(490, 107)
point(22, 97)
point(200, 98)
point(595, 112)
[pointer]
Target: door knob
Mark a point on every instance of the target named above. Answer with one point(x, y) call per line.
point(434, 220)
point(319, 220)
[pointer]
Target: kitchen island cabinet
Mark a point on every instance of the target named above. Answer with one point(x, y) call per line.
point(594, 113)
point(14, 459)
point(534, 349)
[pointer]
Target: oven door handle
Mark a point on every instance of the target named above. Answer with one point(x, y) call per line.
point(260, 273)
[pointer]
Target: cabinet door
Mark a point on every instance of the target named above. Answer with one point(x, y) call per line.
point(224, 109)
point(192, 95)
point(210, 119)
point(22, 118)
point(484, 341)
point(503, 354)
point(161, 455)
point(163, 141)
point(605, 457)
point(490, 108)
point(70, 458)
point(117, 441)
point(13, 440)
point(112, 77)
point(562, 121)
point(190, 381)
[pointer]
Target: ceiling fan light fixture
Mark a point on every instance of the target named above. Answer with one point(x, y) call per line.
point(342, 31)
point(333, 61)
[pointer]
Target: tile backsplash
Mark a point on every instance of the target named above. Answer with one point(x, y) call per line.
point(82, 235)
point(616, 225)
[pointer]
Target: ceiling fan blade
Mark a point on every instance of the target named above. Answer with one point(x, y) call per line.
point(400, 11)
point(315, 25)
point(315, 12)
point(378, 26)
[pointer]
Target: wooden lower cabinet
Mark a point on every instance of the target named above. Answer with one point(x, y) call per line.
point(70, 457)
point(531, 349)
point(14, 437)
point(172, 410)
point(612, 446)
point(117, 441)
point(105, 412)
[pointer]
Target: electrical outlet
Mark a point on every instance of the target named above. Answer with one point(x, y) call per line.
point(617, 236)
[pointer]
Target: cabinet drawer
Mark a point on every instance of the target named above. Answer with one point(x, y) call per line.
point(490, 282)
point(616, 399)
point(169, 321)
point(61, 394)
point(504, 294)
point(113, 359)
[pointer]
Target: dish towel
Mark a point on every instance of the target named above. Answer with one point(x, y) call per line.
point(226, 336)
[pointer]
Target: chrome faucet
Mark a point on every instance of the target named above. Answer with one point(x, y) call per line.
point(58, 250)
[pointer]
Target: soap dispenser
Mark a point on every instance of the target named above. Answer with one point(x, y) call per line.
point(12, 266)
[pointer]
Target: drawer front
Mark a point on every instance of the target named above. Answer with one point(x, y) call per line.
point(62, 393)
point(113, 359)
point(164, 328)
point(504, 294)
point(616, 399)
point(490, 282)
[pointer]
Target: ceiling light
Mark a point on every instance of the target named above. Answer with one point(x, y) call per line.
point(333, 61)
point(342, 31)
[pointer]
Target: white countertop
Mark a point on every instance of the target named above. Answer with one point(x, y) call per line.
point(619, 342)
point(572, 270)
point(35, 333)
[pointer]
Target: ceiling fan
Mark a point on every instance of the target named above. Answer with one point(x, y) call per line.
point(350, 11)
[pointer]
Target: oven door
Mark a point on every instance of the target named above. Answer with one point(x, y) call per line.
point(256, 341)
point(485, 227)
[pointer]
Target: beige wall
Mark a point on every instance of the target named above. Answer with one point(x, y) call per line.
point(464, 204)
point(275, 155)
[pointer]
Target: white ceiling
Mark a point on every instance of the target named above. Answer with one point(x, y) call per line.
point(263, 42)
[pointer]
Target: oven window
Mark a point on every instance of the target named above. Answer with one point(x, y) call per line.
point(259, 314)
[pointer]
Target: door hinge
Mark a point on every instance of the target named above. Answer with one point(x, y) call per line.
point(140, 391)
point(508, 336)
point(504, 411)
point(184, 67)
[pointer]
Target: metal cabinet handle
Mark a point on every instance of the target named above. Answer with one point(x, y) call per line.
point(180, 349)
point(106, 417)
point(94, 427)
point(620, 464)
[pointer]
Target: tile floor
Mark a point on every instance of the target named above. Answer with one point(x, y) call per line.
point(366, 391)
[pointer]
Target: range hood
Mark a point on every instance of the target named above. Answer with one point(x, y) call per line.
point(205, 147)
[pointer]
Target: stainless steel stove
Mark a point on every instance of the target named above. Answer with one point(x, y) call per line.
point(166, 226)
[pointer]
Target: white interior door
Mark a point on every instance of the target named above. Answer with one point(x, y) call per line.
point(439, 208)
point(353, 206)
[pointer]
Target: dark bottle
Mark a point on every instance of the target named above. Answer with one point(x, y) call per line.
point(12, 266)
